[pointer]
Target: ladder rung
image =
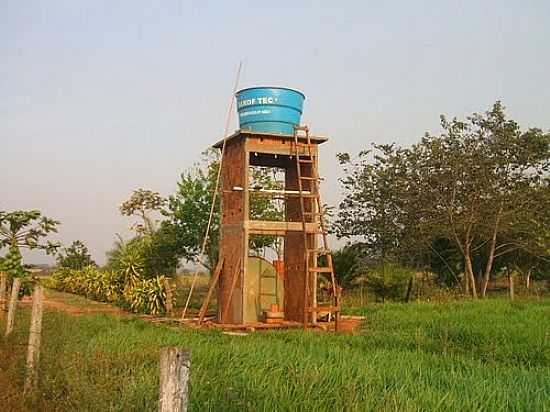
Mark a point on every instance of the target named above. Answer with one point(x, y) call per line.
point(309, 178)
point(320, 251)
point(305, 160)
point(302, 128)
point(321, 269)
point(323, 309)
point(300, 144)
point(310, 195)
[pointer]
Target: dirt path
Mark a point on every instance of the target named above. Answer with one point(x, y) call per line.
point(76, 305)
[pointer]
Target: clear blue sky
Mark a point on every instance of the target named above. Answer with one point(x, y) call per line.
point(98, 98)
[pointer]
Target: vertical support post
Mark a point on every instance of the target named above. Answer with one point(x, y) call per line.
point(13, 305)
point(174, 379)
point(33, 352)
point(3, 290)
point(169, 297)
point(511, 284)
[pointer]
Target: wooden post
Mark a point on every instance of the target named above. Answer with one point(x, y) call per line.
point(174, 379)
point(34, 339)
point(213, 283)
point(13, 305)
point(511, 284)
point(169, 297)
point(3, 290)
point(236, 276)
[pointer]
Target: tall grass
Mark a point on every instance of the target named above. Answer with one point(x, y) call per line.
point(462, 356)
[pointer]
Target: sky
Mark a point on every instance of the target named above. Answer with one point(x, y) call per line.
point(98, 98)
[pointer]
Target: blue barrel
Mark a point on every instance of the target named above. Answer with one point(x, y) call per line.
point(269, 109)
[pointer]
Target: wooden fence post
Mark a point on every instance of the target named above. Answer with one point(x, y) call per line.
point(3, 290)
point(13, 305)
point(34, 339)
point(169, 296)
point(174, 379)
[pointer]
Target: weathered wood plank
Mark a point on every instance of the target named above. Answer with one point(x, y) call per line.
point(213, 283)
point(33, 352)
point(174, 379)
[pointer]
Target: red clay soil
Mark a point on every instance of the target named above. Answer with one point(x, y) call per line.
point(91, 307)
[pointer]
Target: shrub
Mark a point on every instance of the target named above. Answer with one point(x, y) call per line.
point(387, 280)
point(129, 292)
point(147, 296)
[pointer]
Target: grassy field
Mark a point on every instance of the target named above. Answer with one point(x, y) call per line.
point(490, 355)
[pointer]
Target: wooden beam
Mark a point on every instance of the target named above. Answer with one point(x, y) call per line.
point(213, 283)
point(236, 276)
point(264, 227)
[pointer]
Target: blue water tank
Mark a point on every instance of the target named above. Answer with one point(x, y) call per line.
point(269, 109)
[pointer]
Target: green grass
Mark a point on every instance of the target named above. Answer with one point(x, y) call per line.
point(463, 356)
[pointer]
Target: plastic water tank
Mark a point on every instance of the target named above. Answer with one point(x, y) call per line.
point(269, 109)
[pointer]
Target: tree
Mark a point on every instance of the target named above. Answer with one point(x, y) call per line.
point(146, 256)
point(475, 184)
point(265, 208)
point(373, 208)
point(348, 264)
point(141, 203)
point(24, 229)
point(188, 210)
point(76, 256)
point(479, 186)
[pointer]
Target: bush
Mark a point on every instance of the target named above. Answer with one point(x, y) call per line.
point(387, 280)
point(147, 296)
point(129, 292)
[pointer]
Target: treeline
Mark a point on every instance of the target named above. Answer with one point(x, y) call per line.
point(466, 204)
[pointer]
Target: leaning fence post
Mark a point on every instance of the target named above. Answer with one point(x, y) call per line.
point(3, 290)
point(34, 339)
point(13, 305)
point(174, 379)
point(169, 296)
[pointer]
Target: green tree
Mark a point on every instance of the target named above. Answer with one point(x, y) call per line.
point(141, 203)
point(188, 210)
point(348, 263)
point(24, 229)
point(477, 186)
point(76, 256)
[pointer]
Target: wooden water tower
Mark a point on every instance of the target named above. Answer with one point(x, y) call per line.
point(303, 228)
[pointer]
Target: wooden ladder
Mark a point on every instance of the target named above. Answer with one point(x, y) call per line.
point(315, 215)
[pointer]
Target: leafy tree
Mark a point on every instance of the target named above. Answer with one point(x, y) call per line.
point(479, 178)
point(76, 256)
point(263, 207)
point(189, 209)
point(150, 255)
point(141, 203)
point(24, 229)
point(127, 259)
point(479, 187)
point(161, 254)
